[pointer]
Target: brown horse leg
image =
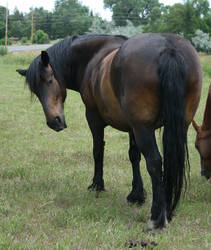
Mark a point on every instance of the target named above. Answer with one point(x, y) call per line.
point(145, 139)
point(96, 126)
point(137, 193)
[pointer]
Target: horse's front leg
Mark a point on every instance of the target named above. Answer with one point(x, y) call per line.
point(97, 126)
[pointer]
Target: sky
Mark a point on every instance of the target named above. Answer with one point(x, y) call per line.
point(95, 5)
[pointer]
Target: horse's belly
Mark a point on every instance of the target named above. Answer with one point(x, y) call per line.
point(114, 117)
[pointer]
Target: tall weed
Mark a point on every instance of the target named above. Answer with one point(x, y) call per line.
point(20, 58)
point(3, 51)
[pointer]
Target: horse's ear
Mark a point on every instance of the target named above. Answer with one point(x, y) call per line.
point(45, 58)
point(196, 126)
point(22, 71)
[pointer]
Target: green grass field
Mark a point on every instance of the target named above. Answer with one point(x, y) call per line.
point(44, 202)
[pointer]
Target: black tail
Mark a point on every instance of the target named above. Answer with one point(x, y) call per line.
point(172, 74)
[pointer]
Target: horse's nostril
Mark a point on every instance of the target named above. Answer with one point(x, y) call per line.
point(57, 119)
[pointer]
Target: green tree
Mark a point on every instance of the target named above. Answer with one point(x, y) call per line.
point(187, 18)
point(70, 18)
point(16, 29)
point(203, 14)
point(201, 7)
point(206, 24)
point(2, 21)
point(16, 24)
point(16, 16)
point(2, 13)
point(43, 20)
point(27, 27)
point(191, 20)
point(2, 29)
point(136, 11)
point(174, 19)
point(156, 21)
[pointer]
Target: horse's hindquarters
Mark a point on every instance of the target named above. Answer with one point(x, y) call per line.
point(157, 78)
point(135, 82)
point(135, 77)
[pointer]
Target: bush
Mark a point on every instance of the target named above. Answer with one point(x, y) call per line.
point(2, 41)
point(100, 26)
point(41, 37)
point(128, 30)
point(3, 51)
point(24, 40)
point(202, 42)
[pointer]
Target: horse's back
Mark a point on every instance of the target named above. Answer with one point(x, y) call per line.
point(136, 79)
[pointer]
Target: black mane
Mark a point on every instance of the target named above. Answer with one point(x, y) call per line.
point(59, 55)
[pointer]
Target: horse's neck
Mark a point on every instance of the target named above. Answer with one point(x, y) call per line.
point(206, 125)
point(83, 52)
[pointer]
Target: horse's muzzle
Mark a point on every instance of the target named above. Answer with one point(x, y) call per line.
point(57, 124)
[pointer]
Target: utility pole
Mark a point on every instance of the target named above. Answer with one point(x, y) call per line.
point(32, 27)
point(6, 27)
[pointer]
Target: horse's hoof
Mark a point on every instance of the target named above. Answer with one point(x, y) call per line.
point(96, 187)
point(139, 201)
point(151, 227)
point(154, 228)
point(137, 197)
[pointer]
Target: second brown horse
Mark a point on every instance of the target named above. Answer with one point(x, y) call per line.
point(135, 85)
point(203, 139)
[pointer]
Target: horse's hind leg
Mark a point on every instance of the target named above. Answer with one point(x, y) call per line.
point(145, 139)
point(137, 193)
point(96, 126)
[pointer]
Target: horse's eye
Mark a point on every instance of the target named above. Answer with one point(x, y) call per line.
point(50, 81)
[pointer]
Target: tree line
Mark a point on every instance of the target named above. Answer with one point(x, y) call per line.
point(70, 17)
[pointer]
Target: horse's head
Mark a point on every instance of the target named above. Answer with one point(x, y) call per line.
point(42, 82)
point(203, 145)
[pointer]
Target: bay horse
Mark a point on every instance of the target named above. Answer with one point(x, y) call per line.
point(203, 139)
point(135, 85)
